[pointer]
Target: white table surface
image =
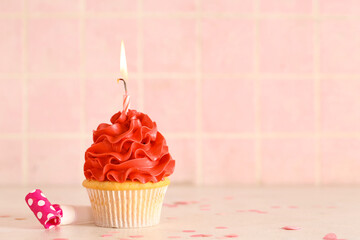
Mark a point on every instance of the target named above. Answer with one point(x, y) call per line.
point(317, 211)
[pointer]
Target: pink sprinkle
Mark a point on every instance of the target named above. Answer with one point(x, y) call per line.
point(257, 211)
point(106, 235)
point(174, 237)
point(137, 236)
point(201, 235)
point(188, 230)
point(291, 228)
point(221, 227)
point(4, 216)
point(181, 203)
point(331, 236)
point(231, 236)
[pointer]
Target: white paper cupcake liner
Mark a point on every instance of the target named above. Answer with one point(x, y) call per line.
point(127, 208)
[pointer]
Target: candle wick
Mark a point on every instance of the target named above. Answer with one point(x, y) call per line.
point(121, 79)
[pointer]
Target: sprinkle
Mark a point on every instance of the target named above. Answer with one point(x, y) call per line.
point(293, 207)
point(20, 218)
point(106, 235)
point(4, 216)
point(181, 203)
point(231, 235)
point(201, 235)
point(137, 236)
point(221, 227)
point(331, 236)
point(188, 231)
point(291, 228)
point(257, 211)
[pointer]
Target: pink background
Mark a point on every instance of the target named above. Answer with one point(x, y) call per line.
point(245, 92)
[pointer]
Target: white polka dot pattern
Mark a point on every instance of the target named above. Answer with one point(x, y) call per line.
point(43, 209)
point(41, 203)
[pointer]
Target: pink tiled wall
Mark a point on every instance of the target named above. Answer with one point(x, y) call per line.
point(246, 92)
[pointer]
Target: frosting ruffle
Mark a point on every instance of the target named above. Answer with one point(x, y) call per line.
point(130, 148)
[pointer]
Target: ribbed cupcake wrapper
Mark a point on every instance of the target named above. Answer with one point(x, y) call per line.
point(127, 208)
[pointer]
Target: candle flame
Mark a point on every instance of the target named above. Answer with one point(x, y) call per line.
point(123, 65)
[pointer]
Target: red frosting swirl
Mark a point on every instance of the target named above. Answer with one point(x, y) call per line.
point(130, 148)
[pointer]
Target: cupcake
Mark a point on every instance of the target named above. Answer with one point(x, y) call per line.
point(126, 170)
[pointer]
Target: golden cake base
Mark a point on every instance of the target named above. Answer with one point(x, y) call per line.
point(126, 205)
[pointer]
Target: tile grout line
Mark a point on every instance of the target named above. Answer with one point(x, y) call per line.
point(212, 135)
point(317, 100)
point(198, 107)
point(258, 161)
point(140, 54)
point(82, 79)
point(287, 76)
point(25, 106)
point(172, 15)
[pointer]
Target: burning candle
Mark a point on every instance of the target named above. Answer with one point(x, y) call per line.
point(124, 77)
